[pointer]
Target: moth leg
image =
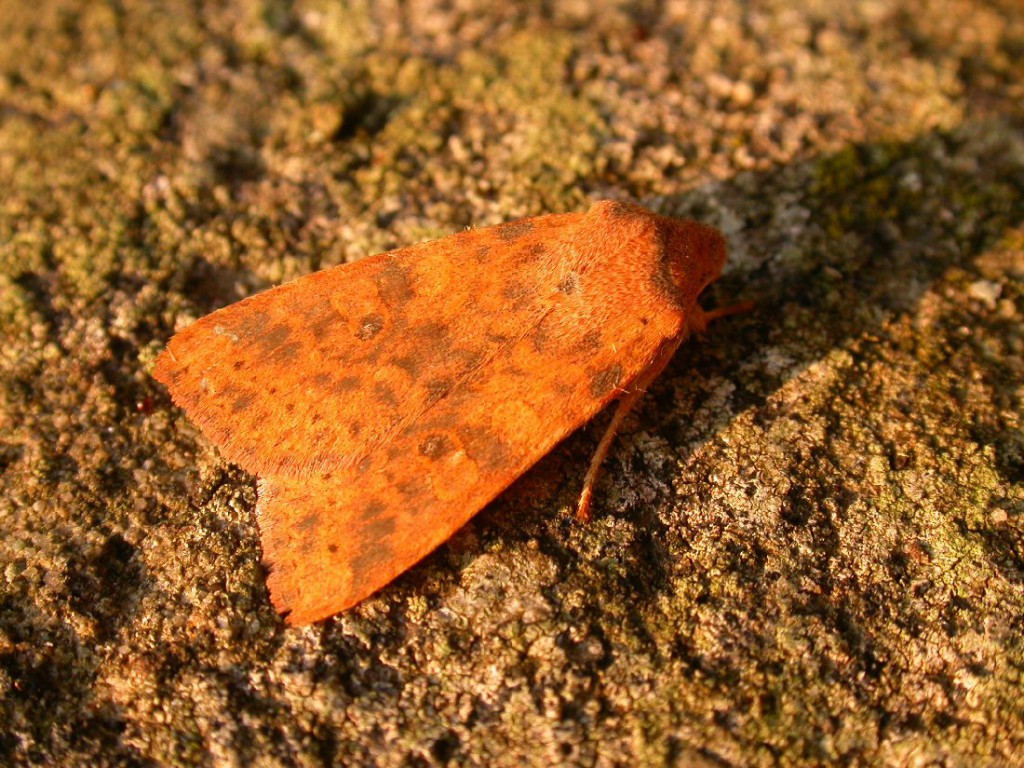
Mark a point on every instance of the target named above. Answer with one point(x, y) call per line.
point(733, 309)
point(623, 408)
point(698, 319)
point(625, 405)
point(697, 322)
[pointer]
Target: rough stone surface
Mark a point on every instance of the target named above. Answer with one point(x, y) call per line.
point(808, 547)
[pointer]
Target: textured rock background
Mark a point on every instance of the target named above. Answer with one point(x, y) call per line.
point(808, 546)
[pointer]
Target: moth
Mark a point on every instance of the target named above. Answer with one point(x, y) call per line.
point(383, 403)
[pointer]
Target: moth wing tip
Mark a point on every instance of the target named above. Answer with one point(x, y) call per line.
point(281, 596)
point(164, 366)
point(286, 615)
point(293, 610)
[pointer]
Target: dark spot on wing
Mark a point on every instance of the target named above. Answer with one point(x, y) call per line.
point(435, 339)
point(542, 339)
point(287, 352)
point(484, 447)
point(467, 359)
point(273, 338)
point(308, 523)
point(415, 491)
point(590, 341)
point(604, 381)
point(542, 336)
point(243, 402)
point(394, 453)
point(513, 230)
point(483, 253)
point(516, 290)
point(383, 393)
point(394, 283)
point(378, 528)
point(374, 555)
point(437, 388)
point(373, 512)
point(499, 339)
point(306, 527)
point(435, 446)
point(411, 364)
point(369, 327)
point(569, 284)
point(251, 325)
point(563, 388)
point(346, 384)
point(435, 332)
point(321, 380)
point(319, 320)
point(447, 420)
point(238, 365)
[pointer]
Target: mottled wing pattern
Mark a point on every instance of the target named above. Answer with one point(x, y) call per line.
point(362, 525)
point(316, 374)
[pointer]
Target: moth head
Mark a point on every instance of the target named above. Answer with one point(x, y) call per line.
point(680, 257)
point(694, 255)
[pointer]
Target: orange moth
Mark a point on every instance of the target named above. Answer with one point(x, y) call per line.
point(383, 403)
